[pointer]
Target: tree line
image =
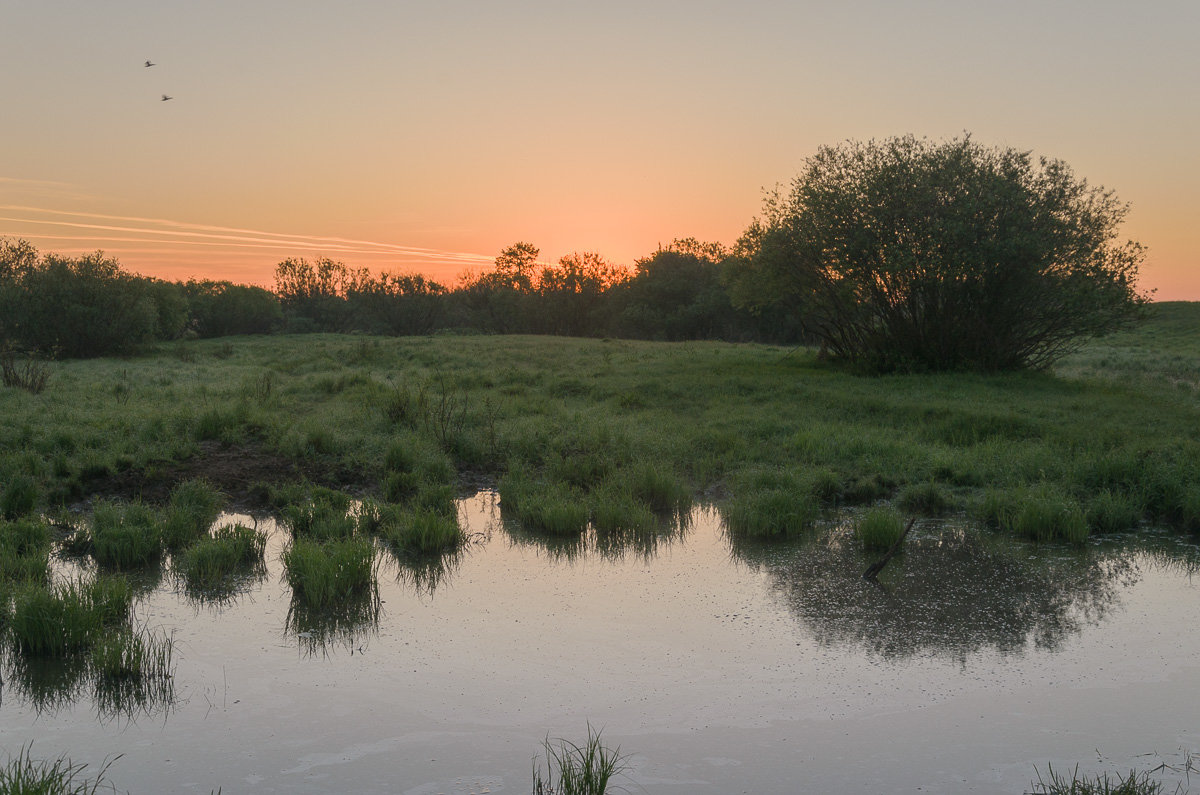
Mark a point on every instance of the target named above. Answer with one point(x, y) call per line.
point(903, 254)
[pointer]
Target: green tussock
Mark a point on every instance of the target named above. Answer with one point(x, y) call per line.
point(67, 618)
point(1056, 783)
point(421, 531)
point(771, 513)
point(193, 508)
point(214, 565)
point(571, 769)
point(878, 529)
point(24, 775)
point(323, 574)
point(125, 535)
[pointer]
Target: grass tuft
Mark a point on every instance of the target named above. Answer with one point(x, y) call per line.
point(878, 528)
point(325, 573)
point(1059, 784)
point(24, 775)
point(771, 513)
point(194, 506)
point(216, 566)
point(572, 769)
point(125, 535)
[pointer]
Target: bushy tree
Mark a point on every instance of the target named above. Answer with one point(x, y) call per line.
point(221, 308)
point(912, 254)
point(676, 294)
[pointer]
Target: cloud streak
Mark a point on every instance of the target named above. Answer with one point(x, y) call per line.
point(179, 233)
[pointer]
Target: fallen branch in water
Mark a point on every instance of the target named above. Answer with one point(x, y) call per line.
point(873, 570)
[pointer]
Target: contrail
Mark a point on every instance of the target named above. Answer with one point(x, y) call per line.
point(248, 236)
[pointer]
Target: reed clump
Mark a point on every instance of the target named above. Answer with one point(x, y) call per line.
point(324, 573)
point(125, 535)
point(24, 775)
point(572, 769)
point(215, 564)
point(193, 507)
point(878, 529)
point(421, 531)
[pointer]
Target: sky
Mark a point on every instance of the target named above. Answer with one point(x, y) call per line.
point(427, 136)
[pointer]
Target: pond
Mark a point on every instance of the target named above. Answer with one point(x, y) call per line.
point(716, 668)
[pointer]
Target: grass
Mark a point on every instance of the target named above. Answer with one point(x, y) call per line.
point(1059, 784)
point(324, 574)
point(216, 566)
point(421, 531)
point(24, 552)
point(125, 535)
point(878, 528)
point(67, 618)
point(568, 416)
point(571, 769)
point(24, 775)
point(194, 506)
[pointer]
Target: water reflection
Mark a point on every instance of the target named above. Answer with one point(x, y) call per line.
point(349, 625)
point(49, 686)
point(614, 544)
point(951, 592)
point(424, 574)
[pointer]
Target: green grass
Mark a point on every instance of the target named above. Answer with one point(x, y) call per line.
point(125, 535)
point(194, 506)
point(69, 617)
point(421, 531)
point(18, 497)
point(321, 519)
point(324, 574)
point(216, 565)
point(1059, 784)
point(24, 552)
point(680, 422)
point(24, 775)
point(878, 528)
point(571, 769)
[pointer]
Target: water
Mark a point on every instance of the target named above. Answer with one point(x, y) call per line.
point(717, 669)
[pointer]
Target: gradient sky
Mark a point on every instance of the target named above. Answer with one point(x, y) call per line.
point(426, 136)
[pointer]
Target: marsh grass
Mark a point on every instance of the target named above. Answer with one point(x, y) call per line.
point(421, 531)
point(928, 498)
point(346, 623)
point(193, 507)
point(18, 497)
point(225, 563)
point(770, 513)
point(323, 519)
point(125, 535)
point(24, 553)
point(133, 672)
point(24, 775)
point(550, 508)
point(571, 769)
point(1060, 784)
point(324, 574)
point(878, 529)
point(1113, 512)
point(67, 618)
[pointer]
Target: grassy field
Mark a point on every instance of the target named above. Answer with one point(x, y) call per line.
point(1111, 438)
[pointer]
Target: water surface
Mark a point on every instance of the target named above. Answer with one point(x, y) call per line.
point(719, 669)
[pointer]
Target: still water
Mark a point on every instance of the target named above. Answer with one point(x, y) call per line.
point(716, 668)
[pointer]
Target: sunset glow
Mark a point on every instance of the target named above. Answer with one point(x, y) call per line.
point(427, 137)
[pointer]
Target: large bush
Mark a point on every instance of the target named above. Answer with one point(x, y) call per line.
point(912, 254)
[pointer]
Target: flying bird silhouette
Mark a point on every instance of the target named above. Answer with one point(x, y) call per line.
point(151, 63)
point(165, 98)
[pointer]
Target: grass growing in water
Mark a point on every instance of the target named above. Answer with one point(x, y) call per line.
point(878, 528)
point(323, 574)
point(24, 775)
point(193, 508)
point(67, 618)
point(125, 535)
point(212, 565)
point(771, 513)
point(572, 769)
point(421, 531)
point(1059, 784)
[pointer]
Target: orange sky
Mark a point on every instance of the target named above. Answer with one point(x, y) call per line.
point(427, 137)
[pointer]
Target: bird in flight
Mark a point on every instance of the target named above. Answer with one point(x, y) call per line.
point(151, 63)
point(165, 98)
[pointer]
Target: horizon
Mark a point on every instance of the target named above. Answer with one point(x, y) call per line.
point(420, 140)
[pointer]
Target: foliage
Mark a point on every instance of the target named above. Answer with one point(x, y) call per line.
point(24, 775)
point(909, 254)
point(221, 308)
point(572, 769)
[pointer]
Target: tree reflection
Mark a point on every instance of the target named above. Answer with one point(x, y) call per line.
point(951, 593)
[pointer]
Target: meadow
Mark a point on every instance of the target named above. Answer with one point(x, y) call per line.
point(607, 429)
